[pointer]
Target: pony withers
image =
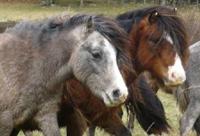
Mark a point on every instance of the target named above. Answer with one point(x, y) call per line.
point(37, 57)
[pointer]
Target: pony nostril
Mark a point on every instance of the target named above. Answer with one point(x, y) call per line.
point(173, 75)
point(176, 77)
point(116, 93)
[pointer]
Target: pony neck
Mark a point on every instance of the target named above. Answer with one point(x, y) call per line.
point(70, 41)
point(135, 39)
point(67, 42)
point(137, 66)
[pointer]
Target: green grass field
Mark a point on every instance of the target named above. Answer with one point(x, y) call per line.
point(18, 12)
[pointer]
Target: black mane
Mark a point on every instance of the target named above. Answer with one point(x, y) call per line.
point(168, 21)
point(151, 112)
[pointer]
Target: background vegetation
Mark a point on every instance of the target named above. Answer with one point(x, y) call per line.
point(83, 2)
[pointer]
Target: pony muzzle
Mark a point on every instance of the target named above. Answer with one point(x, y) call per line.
point(176, 74)
point(175, 80)
point(115, 97)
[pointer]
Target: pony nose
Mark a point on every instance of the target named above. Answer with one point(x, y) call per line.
point(116, 93)
point(179, 79)
point(175, 79)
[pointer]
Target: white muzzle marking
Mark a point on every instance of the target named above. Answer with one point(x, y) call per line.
point(176, 73)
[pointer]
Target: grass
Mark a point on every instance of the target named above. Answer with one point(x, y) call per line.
point(17, 11)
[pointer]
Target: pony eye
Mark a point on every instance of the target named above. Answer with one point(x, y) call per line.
point(96, 55)
point(154, 41)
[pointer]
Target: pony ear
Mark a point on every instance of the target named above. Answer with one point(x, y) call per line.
point(90, 24)
point(153, 17)
point(55, 25)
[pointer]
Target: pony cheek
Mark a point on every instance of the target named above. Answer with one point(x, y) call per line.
point(145, 57)
point(159, 71)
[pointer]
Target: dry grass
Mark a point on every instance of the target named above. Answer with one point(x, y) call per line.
point(191, 16)
point(19, 11)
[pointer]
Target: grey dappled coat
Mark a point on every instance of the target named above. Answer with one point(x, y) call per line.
point(191, 91)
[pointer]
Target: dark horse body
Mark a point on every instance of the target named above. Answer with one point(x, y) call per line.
point(157, 36)
point(37, 58)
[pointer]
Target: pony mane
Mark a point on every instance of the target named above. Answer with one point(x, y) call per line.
point(168, 21)
point(147, 107)
point(109, 28)
point(41, 31)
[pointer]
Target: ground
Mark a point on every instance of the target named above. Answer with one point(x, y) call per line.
point(16, 12)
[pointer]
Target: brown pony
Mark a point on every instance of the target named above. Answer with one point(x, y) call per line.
point(159, 40)
point(158, 35)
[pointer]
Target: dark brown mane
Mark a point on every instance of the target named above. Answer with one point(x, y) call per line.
point(168, 21)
